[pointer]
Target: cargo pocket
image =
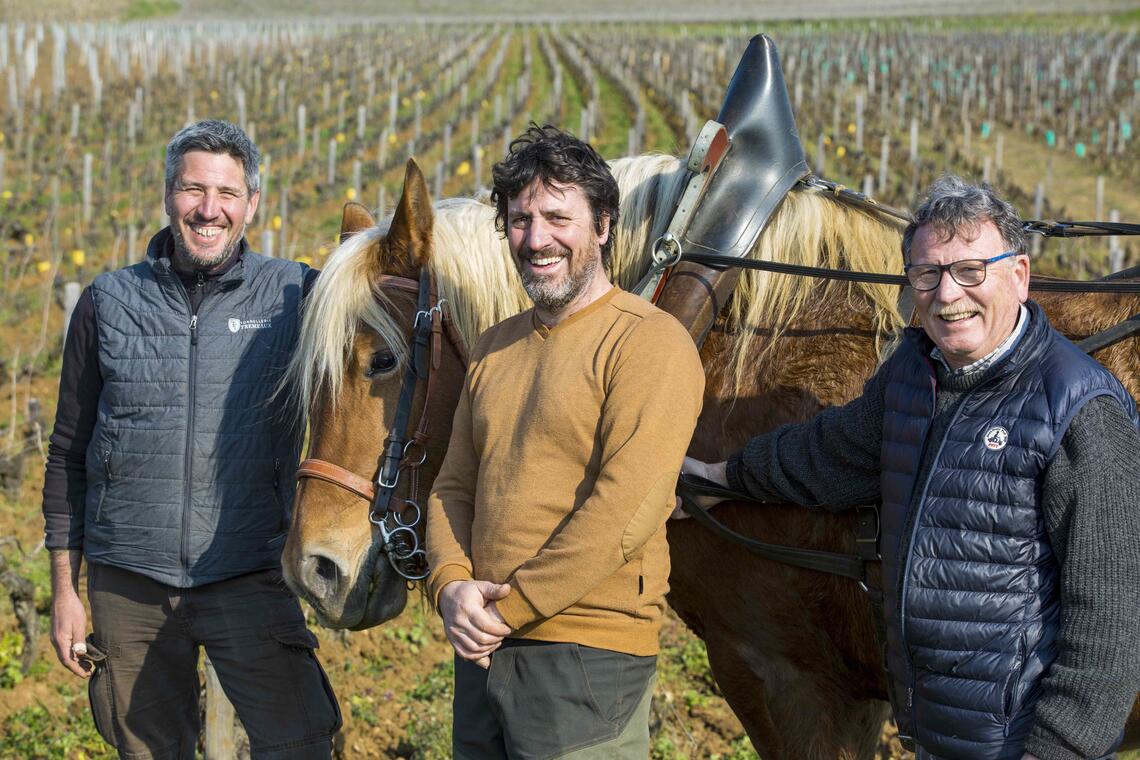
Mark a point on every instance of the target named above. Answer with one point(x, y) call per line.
point(99, 693)
point(309, 682)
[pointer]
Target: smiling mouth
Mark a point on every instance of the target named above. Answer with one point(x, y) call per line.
point(958, 316)
point(540, 262)
point(206, 232)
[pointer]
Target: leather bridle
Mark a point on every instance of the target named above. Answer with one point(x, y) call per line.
point(398, 532)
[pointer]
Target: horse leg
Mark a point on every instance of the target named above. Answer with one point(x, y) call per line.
point(790, 713)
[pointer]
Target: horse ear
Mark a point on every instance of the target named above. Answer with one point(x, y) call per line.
point(409, 237)
point(354, 219)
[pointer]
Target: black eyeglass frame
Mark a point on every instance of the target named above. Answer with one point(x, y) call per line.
point(951, 268)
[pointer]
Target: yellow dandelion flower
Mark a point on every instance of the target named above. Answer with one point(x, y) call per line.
point(43, 266)
point(350, 193)
point(851, 128)
point(340, 137)
point(322, 251)
point(276, 222)
point(841, 151)
point(29, 239)
point(6, 195)
point(463, 169)
point(78, 257)
point(307, 261)
point(213, 94)
point(391, 138)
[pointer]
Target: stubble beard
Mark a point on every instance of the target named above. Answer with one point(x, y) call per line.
point(185, 254)
point(554, 295)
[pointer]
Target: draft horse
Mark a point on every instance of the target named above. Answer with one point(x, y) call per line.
point(792, 650)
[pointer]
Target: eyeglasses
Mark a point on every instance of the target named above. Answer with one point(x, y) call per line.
point(967, 272)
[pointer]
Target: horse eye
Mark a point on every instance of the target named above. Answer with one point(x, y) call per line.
point(382, 363)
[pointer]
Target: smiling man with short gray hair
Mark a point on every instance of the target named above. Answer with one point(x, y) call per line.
point(170, 470)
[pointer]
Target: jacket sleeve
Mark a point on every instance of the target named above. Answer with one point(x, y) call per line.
point(652, 400)
point(80, 385)
point(1091, 496)
point(831, 460)
point(451, 504)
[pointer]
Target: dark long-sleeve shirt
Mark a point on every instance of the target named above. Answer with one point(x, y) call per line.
point(1091, 505)
point(80, 385)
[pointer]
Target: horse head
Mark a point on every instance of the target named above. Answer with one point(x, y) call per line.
point(343, 555)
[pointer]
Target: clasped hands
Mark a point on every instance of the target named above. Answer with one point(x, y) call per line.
point(471, 620)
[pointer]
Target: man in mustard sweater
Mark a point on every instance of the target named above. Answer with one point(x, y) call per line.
point(545, 527)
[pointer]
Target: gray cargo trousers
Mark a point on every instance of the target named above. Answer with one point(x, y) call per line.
point(541, 700)
point(144, 692)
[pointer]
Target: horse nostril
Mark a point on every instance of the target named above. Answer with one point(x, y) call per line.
point(321, 576)
point(326, 569)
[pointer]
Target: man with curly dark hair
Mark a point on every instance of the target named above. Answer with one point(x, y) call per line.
point(545, 529)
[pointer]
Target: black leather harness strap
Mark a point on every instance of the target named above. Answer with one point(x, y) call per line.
point(417, 369)
point(833, 563)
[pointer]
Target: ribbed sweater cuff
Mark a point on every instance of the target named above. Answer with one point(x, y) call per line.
point(517, 610)
point(446, 575)
point(1049, 746)
point(732, 472)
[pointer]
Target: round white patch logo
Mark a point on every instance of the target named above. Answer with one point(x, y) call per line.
point(996, 438)
point(234, 324)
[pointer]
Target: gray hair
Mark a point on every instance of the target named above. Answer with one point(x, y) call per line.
point(953, 205)
point(213, 136)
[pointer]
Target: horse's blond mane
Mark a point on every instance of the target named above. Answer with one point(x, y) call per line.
point(474, 272)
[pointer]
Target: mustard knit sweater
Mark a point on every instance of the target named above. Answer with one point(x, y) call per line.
point(561, 469)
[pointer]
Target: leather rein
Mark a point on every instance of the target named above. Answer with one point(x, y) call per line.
point(404, 452)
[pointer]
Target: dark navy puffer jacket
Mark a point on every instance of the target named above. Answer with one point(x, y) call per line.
point(190, 465)
point(971, 584)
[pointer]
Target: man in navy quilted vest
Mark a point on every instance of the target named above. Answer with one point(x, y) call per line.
point(170, 470)
point(1008, 467)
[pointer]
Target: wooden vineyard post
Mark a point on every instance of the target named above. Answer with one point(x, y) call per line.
point(1098, 212)
point(884, 163)
point(1038, 210)
point(1115, 249)
point(71, 292)
point(331, 175)
point(301, 132)
point(220, 741)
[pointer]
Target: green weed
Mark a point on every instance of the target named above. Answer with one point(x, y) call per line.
point(429, 730)
point(139, 10)
point(34, 732)
point(11, 647)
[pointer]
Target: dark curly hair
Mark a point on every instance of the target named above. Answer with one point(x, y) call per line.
point(552, 155)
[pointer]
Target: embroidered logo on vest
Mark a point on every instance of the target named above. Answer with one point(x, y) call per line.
point(236, 324)
point(996, 438)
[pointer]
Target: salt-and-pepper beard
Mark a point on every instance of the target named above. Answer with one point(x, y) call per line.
point(554, 296)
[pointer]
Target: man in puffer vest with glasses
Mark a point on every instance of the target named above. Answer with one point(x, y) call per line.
point(1008, 467)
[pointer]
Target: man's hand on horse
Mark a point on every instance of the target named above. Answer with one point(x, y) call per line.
point(471, 621)
point(715, 472)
